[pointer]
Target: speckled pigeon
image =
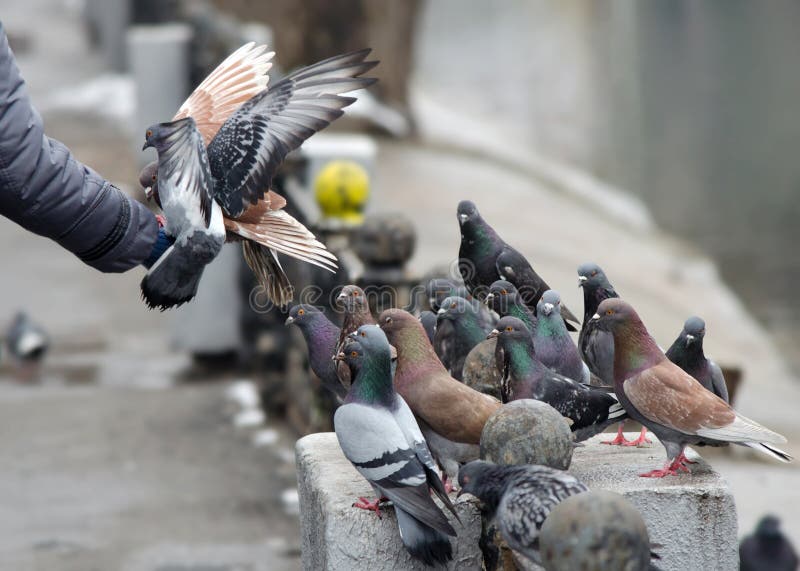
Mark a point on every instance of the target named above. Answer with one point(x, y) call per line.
point(484, 257)
point(321, 336)
point(518, 499)
point(246, 131)
point(687, 353)
point(465, 331)
point(554, 346)
point(667, 400)
point(379, 435)
point(597, 347)
point(525, 377)
point(767, 549)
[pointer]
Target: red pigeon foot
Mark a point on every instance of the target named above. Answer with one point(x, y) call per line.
point(683, 460)
point(641, 440)
point(672, 468)
point(619, 439)
point(161, 219)
point(365, 504)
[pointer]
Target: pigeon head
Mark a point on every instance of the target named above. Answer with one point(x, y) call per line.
point(510, 327)
point(467, 212)
point(693, 331)
point(501, 295)
point(438, 289)
point(148, 179)
point(303, 315)
point(484, 480)
point(352, 355)
point(353, 299)
point(160, 135)
point(614, 314)
point(373, 340)
point(768, 527)
point(592, 275)
point(454, 308)
point(549, 304)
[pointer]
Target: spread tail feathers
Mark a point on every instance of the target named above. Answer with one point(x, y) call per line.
point(264, 263)
point(423, 542)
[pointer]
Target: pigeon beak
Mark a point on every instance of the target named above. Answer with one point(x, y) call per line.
point(493, 334)
point(547, 308)
point(463, 218)
point(581, 280)
point(146, 145)
point(353, 335)
point(689, 340)
point(489, 298)
point(595, 317)
point(148, 193)
point(341, 297)
point(441, 311)
point(289, 320)
point(339, 356)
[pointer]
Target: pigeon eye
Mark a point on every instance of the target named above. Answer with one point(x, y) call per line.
point(354, 353)
point(503, 292)
point(354, 294)
point(609, 312)
point(153, 178)
point(453, 305)
point(594, 273)
point(363, 334)
point(509, 328)
point(301, 311)
point(388, 320)
point(148, 134)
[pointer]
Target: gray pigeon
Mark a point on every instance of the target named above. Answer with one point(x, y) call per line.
point(505, 300)
point(458, 329)
point(687, 353)
point(552, 342)
point(193, 218)
point(379, 435)
point(428, 320)
point(439, 289)
point(26, 341)
point(197, 184)
point(518, 498)
point(767, 549)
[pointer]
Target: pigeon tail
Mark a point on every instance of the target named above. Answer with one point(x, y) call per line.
point(429, 545)
point(264, 263)
point(173, 279)
point(769, 450)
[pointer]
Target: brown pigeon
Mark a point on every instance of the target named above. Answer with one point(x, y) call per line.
point(295, 108)
point(356, 311)
point(667, 400)
point(449, 407)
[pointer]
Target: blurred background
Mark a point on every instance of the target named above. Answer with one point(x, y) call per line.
point(655, 138)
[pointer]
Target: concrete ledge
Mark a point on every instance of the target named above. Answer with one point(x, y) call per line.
point(693, 518)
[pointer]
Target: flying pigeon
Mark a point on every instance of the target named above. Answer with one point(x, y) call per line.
point(453, 410)
point(457, 341)
point(687, 353)
point(518, 499)
point(554, 346)
point(525, 377)
point(379, 435)
point(26, 341)
point(223, 148)
point(484, 258)
point(428, 320)
point(767, 549)
point(321, 336)
point(667, 400)
point(504, 299)
point(597, 347)
point(356, 311)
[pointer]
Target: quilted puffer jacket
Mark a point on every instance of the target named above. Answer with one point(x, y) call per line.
point(44, 189)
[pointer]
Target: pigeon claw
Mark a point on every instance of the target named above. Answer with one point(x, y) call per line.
point(619, 439)
point(162, 221)
point(364, 504)
point(672, 468)
point(642, 439)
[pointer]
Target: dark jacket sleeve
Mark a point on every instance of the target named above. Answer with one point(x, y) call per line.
point(44, 189)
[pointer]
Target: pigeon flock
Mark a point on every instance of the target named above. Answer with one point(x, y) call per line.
point(402, 431)
point(404, 418)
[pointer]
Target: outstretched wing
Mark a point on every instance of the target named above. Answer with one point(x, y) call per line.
point(242, 75)
point(248, 149)
point(183, 166)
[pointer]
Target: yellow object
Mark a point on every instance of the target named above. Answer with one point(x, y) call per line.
point(342, 189)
